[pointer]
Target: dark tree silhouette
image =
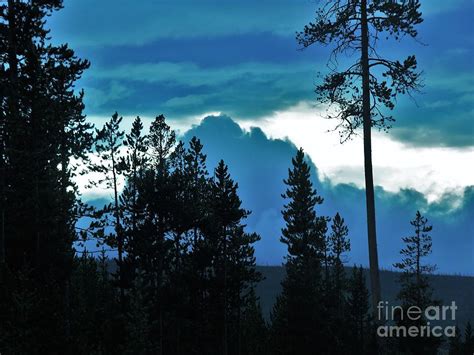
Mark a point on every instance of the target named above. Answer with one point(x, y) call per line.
point(185, 278)
point(336, 284)
point(110, 166)
point(155, 199)
point(134, 163)
point(297, 324)
point(364, 93)
point(339, 244)
point(415, 287)
point(233, 258)
point(41, 129)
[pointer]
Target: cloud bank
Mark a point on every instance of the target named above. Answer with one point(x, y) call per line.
point(259, 165)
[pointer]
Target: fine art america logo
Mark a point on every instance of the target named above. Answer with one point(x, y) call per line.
point(413, 321)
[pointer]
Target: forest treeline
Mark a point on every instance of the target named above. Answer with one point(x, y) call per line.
point(185, 274)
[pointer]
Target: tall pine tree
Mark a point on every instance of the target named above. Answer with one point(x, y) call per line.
point(297, 322)
point(364, 93)
point(41, 129)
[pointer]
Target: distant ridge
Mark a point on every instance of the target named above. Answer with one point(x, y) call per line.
point(447, 288)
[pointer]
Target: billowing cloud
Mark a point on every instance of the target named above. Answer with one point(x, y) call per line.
point(396, 165)
point(260, 164)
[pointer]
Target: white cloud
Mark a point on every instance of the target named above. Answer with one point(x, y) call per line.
point(432, 170)
point(97, 192)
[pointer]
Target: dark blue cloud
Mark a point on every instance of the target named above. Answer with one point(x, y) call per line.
point(186, 58)
point(206, 52)
point(260, 164)
point(182, 89)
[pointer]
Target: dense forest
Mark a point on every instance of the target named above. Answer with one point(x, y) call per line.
point(184, 277)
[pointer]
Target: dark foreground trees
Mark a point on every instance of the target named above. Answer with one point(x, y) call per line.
point(186, 268)
point(185, 274)
point(365, 92)
point(41, 130)
point(319, 308)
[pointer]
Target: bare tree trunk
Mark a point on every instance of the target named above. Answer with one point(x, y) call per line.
point(369, 179)
point(118, 232)
point(178, 292)
point(225, 335)
point(418, 270)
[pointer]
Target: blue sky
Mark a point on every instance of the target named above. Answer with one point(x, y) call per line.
point(187, 59)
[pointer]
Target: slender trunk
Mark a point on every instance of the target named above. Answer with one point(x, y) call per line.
point(134, 193)
point(159, 283)
point(369, 179)
point(118, 231)
point(224, 338)
point(326, 263)
point(197, 298)
point(178, 291)
point(418, 271)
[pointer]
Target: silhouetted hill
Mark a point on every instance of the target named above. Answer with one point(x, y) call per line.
point(447, 288)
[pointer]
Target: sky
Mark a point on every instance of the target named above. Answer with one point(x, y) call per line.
point(238, 63)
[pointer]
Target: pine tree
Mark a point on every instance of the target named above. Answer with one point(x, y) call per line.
point(109, 167)
point(199, 258)
point(297, 324)
point(233, 261)
point(364, 92)
point(181, 223)
point(134, 164)
point(41, 129)
point(415, 287)
point(339, 244)
point(152, 245)
point(193, 190)
point(335, 286)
